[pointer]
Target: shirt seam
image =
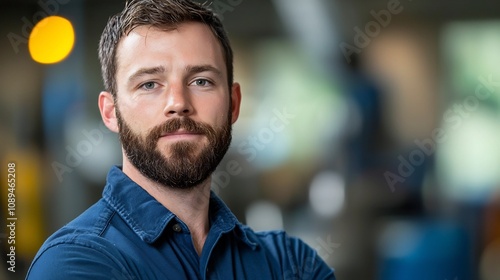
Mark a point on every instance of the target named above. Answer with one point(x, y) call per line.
point(120, 209)
point(136, 227)
point(107, 223)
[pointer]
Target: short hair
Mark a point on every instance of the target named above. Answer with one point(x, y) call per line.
point(163, 14)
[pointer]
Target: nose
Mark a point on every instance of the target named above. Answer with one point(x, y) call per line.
point(178, 102)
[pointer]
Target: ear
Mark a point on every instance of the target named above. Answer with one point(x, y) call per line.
point(108, 111)
point(235, 102)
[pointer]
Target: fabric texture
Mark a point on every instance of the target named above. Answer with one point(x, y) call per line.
point(129, 235)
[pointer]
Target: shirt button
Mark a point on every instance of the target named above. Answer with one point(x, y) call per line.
point(177, 228)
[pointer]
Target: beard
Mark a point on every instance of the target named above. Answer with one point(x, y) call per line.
point(188, 164)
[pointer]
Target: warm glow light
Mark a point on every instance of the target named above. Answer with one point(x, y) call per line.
point(51, 40)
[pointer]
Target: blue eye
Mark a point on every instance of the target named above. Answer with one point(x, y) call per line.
point(202, 82)
point(148, 85)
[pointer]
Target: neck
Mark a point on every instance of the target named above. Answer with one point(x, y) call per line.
point(189, 205)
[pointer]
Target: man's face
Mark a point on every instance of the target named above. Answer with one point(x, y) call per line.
point(173, 108)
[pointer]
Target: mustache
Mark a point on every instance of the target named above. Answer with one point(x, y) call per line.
point(175, 124)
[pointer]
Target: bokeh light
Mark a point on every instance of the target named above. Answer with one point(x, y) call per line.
point(264, 215)
point(327, 194)
point(51, 40)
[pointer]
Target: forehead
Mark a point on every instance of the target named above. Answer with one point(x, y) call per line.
point(187, 44)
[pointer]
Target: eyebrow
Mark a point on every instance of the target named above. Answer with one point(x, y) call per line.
point(194, 69)
point(146, 71)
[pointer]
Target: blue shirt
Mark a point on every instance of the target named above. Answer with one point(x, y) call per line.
point(129, 235)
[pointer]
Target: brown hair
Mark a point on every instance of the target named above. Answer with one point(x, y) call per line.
point(164, 14)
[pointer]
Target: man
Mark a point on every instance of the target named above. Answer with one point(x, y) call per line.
point(168, 74)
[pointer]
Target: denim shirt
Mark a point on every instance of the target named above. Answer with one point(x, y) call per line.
point(129, 235)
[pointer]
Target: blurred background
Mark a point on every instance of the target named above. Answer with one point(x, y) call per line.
point(370, 129)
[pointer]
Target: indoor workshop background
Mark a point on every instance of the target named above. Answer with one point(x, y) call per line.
point(370, 129)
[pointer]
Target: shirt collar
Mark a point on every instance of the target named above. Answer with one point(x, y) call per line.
point(223, 218)
point(148, 218)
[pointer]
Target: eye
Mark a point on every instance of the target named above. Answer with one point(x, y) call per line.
point(148, 85)
point(202, 82)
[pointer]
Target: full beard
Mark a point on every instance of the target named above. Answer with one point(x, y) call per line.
point(188, 164)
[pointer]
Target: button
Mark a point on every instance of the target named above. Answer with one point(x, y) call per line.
point(177, 228)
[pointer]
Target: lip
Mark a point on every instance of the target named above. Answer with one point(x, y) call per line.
point(180, 134)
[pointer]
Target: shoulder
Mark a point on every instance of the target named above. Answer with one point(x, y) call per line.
point(77, 251)
point(279, 242)
point(83, 257)
point(303, 262)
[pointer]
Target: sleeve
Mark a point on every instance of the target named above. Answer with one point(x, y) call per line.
point(306, 263)
point(77, 261)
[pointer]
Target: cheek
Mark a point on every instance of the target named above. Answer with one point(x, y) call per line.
point(139, 115)
point(224, 112)
point(135, 122)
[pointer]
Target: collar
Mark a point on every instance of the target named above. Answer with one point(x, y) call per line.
point(148, 218)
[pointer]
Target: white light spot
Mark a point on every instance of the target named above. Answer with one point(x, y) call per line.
point(327, 194)
point(263, 215)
